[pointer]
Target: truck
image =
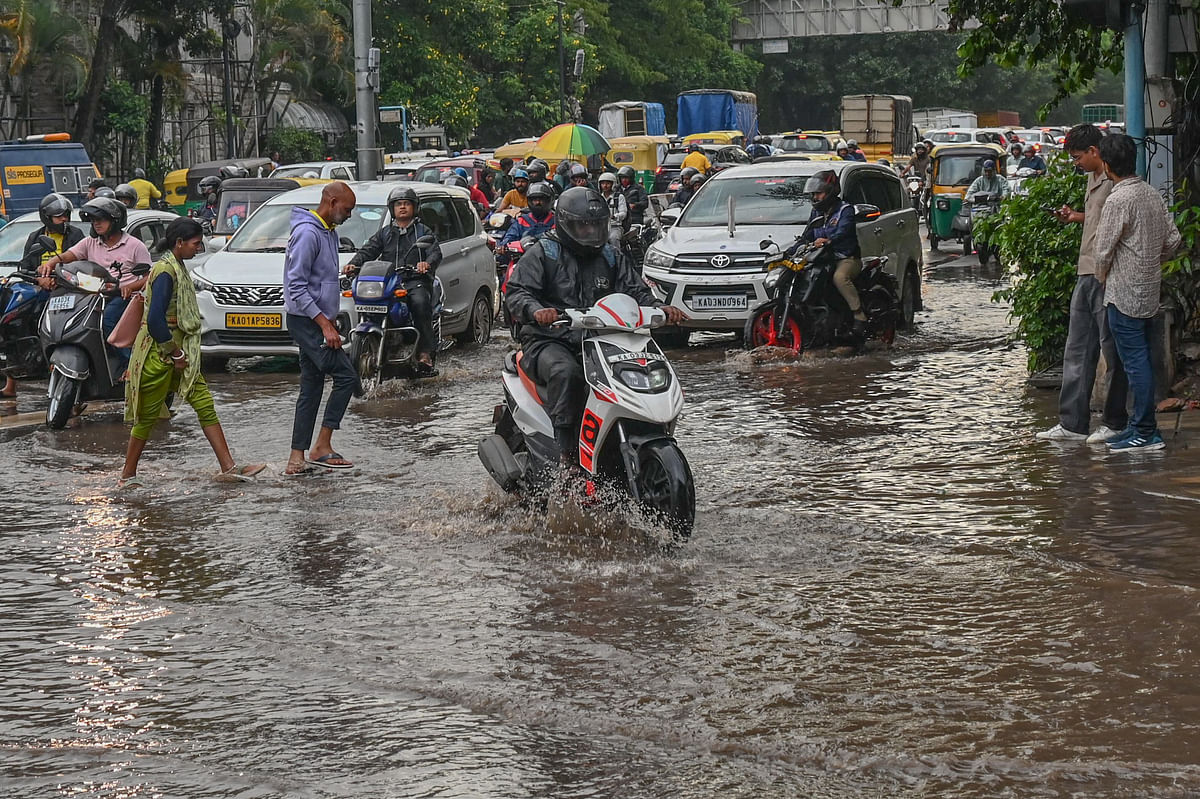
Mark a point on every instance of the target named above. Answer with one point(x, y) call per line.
point(32, 167)
point(1097, 113)
point(937, 118)
point(631, 118)
point(999, 119)
point(704, 110)
point(881, 123)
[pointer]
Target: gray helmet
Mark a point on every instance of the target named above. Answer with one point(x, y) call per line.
point(686, 173)
point(627, 172)
point(139, 174)
point(402, 194)
point(607, 177)
point(537, 169)
point(455, 180)
point(105, 208)
point(126, 194)
point(824, 182)
point(540, 189)
point(105, 191)
point(234, 171)
point(52, 205)
point(852, 143)
point(209, 185)
point(578, 171)
point(696, 180)
point(581, 218)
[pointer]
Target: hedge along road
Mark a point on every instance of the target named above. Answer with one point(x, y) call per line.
point(891, 590)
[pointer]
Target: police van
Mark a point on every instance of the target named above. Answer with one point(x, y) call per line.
point(32, 167)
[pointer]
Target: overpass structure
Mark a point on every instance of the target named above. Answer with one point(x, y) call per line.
point(775, 21)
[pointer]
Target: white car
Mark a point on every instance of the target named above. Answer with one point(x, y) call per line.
point(240, 289)
point(323, 170)
point(1002, 136)
point(149, 226)
point(1042, 140)
point(716, 274)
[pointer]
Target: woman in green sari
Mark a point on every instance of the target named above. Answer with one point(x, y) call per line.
point(166, 356)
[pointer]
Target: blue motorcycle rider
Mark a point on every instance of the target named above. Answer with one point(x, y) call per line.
point(832, 223)
point(535, 222)
point(396, 243)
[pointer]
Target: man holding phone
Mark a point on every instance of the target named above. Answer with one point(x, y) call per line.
point(1087, 332)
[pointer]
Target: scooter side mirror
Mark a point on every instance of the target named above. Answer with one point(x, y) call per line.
point(46, 244)
point(766, 244)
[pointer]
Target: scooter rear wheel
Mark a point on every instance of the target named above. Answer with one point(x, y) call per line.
point(665, 486)
point(760, 326)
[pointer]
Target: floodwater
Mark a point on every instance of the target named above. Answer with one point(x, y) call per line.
point(892, 590)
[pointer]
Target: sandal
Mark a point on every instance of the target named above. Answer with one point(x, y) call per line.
point(133, 481)
point(326, 462)
point(241, 473)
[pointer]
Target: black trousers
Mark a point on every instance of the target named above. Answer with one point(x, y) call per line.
point(557, 366)
point(420, 304)
point(316, 362)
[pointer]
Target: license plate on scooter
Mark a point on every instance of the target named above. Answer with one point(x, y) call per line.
point(63, 302)
point(371, 308)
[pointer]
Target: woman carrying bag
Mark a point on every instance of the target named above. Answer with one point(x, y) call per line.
point(166, 356)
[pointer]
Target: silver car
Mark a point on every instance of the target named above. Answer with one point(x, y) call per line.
point(240, 289)
point(149, 226)
point(713, 267)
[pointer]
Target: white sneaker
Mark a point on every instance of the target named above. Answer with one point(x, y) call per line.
point(1060, 433)
point(1102, 435)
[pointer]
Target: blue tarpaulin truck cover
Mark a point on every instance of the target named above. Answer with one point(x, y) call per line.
point(702, 110)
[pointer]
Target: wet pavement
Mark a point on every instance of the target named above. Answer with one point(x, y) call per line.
point(891, 590)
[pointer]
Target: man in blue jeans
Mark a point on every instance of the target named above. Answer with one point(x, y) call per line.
point(1136, 235)
point(310, 296)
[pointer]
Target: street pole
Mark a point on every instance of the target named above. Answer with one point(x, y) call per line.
point(1135, 84)
point(364, 92)
point(562, 67)
point(229, 29)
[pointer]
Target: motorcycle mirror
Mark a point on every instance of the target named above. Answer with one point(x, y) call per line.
point(47, 244)
point(141, 269)
point(425, 241)
point(765, 244)
point(345, 245)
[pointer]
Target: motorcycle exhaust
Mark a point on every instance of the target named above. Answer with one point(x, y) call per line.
point(498, 459)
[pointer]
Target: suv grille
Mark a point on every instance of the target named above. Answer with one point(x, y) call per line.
point(248, 295)
point(250, 338)
point(738, 262)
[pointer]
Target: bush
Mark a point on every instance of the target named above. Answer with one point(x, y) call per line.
point(1181, 275)
point(295, 145)
point(1040, 255)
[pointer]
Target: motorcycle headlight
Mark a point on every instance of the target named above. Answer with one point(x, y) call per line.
point(772, 280)
point(369, 289)
point(659, 259)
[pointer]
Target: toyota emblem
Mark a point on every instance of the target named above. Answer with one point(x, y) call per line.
point(720, 261)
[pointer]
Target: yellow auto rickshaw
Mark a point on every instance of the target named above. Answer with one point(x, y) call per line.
point(182, 186)
point(644, 153)
point(517, 151)
point(955, 166)
point(716, 137)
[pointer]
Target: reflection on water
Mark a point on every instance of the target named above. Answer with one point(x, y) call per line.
point(891, 590)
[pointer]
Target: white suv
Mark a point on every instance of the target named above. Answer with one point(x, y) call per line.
point(714, 270)
point(240, 289)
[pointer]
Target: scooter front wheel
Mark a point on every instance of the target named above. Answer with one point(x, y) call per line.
point(763, 330)
point(665, 486)
point(63, 395)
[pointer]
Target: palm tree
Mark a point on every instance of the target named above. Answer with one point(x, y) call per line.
point(48, 59)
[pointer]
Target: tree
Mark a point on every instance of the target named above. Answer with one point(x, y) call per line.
point(49, 54)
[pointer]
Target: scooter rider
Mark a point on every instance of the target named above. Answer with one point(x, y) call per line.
point(538, 169)
point(832, 223)
point(571, 267)
point(635, 196)
point(534, 223)
point(1032, 161)
point(396, 243)
point(578, 176)
point(55, 212)
point(918, 165)
point(127, 194)
point(518, 195)
point(989, 182)
point(210, 189)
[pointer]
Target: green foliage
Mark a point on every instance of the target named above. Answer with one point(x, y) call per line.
point(1181, 275)
point(123, 109)
point(295, 145)
point(1040, 255)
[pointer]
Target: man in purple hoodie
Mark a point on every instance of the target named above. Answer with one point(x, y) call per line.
point(310, 296)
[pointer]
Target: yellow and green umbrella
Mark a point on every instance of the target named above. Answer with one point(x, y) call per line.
point(571, 139)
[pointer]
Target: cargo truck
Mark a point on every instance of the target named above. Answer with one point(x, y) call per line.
point(631, 118)
point(999, 119)
point(704, 110)
point(882, 124)
point(937, 118)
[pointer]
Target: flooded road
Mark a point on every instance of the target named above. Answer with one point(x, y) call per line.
point(891, 590)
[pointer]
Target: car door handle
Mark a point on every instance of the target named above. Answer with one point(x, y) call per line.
point(452, 281)
point(464, 250)
point(878, 231)
point(899, 223)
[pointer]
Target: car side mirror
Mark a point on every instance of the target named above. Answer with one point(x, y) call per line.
point(865, 212)
point(345, 245)
point(766, 244)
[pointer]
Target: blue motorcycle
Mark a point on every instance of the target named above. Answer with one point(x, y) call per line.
point(384, 343)
point(22, 302)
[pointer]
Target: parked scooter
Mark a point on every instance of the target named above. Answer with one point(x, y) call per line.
point(72, 338)
point(384, 343)
point(626, 438)
point(805, 308)
point(22, 302)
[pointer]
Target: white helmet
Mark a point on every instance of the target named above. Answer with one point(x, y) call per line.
point(607, 176)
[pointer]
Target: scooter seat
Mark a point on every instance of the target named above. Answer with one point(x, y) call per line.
point(536, 389)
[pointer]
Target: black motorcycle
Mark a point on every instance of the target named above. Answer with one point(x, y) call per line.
point(805, 308)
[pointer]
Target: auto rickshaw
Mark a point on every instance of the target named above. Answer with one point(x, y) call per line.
point(716, 137)
point(955, 166)
point(240, 197)
point(182, 186)
point(643, 153)
point(518, 151)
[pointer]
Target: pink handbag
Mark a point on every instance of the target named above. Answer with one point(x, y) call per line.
point(127, 326)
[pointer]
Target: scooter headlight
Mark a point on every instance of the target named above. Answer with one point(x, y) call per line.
point(650, 379)
point(369, 289)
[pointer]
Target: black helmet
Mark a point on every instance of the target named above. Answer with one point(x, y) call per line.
point(824, 182)
point(105, 191)
point(578, 171)
point(686, 173)
point(105, 208)
point(209, 185)
point(693, 148)
point(52, 205)
point(541, 189)
point(403, 194)
point(582, 219)
point(126, 194)
point(139, 174)
point(96, 183)
point(626, 172)
point(537, 169)
point(455, 180)
point(696, 180)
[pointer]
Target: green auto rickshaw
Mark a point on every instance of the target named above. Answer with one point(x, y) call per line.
point(955, 166)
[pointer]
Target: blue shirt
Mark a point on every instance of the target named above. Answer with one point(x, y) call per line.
point(527, 225)
point(1033, 162)
point(838, 227)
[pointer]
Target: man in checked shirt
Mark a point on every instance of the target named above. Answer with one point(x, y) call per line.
point(1136, 235)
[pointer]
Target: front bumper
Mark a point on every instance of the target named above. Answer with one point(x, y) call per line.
point(687, 290)
point(219, 340)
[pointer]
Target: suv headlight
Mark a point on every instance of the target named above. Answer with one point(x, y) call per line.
point(200, 284)
point(658, 258)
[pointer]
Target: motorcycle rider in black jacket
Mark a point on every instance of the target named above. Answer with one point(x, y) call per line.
point(573, 266)
point(635, 196)
point(396, 243)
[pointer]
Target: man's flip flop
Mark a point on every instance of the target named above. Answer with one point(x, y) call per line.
point(324, 462)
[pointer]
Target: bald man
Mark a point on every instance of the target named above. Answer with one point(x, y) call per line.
point(310, 296)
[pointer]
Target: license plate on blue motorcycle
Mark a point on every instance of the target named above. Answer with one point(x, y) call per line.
point(371, 308)
point(63, 302)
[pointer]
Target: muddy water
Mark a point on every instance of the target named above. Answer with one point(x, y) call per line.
point(891, 591)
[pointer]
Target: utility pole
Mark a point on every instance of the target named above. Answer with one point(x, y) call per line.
point(229, 31)
point(1135, 83)
point(562, 66)
point(366, 81)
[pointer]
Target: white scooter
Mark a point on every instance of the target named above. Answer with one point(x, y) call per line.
point(626, 436)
